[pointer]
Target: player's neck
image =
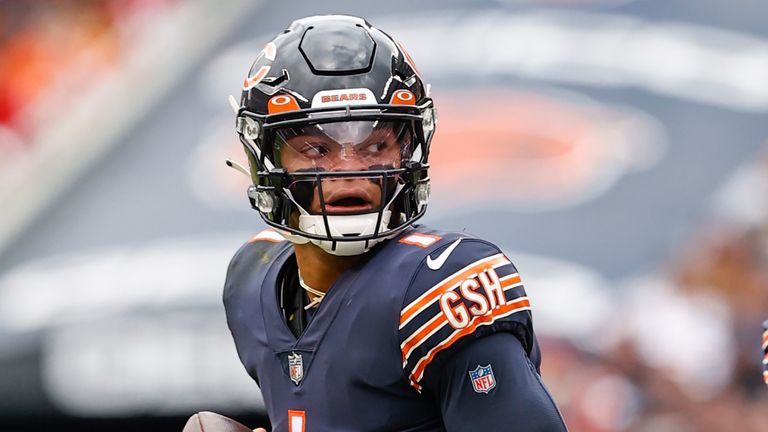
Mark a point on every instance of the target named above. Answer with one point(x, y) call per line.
point(320, 269)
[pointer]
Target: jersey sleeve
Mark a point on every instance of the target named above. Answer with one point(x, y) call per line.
point(491, 385)
point(464, 289)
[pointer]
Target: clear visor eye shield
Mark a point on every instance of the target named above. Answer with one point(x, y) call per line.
point(343, 167)
point(335, 172)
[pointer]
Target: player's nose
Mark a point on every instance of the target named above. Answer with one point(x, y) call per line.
point(349, 162)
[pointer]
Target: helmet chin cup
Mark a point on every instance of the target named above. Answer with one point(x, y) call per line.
point(345, 225)
point(293, 238)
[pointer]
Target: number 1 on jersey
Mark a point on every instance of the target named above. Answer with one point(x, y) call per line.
point(296, 421)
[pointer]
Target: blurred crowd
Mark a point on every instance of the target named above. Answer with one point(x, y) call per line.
point(52, 51)
point(683, 351)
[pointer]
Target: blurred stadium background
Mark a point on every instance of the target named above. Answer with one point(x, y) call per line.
point(617, 150)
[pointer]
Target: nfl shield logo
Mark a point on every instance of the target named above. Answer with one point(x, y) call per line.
point(482, 379)
point(295, 367)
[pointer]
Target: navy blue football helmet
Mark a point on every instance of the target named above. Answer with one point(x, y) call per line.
point(336, 123)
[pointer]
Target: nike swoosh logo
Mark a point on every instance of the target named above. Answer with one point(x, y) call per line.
point(435, 264)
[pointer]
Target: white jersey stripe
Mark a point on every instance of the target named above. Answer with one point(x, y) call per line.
point(437, 317)
point(508, 277)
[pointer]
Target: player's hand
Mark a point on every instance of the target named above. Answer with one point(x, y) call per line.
point(259, 430)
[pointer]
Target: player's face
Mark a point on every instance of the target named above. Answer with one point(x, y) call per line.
point(341, 147)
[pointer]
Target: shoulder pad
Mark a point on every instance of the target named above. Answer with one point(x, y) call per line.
point(464, 288)
point(260, 250)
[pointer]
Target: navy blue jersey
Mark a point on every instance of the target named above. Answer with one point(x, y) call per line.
point(431, 331)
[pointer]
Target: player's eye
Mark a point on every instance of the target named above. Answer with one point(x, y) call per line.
point(315, 150)
point(373, 148)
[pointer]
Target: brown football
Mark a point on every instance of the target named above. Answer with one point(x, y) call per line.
point(206, 421)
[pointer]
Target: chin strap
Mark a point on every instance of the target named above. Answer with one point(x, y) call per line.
point(318, 294)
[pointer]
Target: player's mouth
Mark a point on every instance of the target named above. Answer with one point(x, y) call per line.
point(349, 200)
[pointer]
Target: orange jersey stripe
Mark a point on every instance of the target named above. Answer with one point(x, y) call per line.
point(439, 320)
point(509, 308)
point(508, 281)
point(436, 291)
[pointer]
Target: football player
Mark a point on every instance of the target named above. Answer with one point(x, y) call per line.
point(348, 315)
